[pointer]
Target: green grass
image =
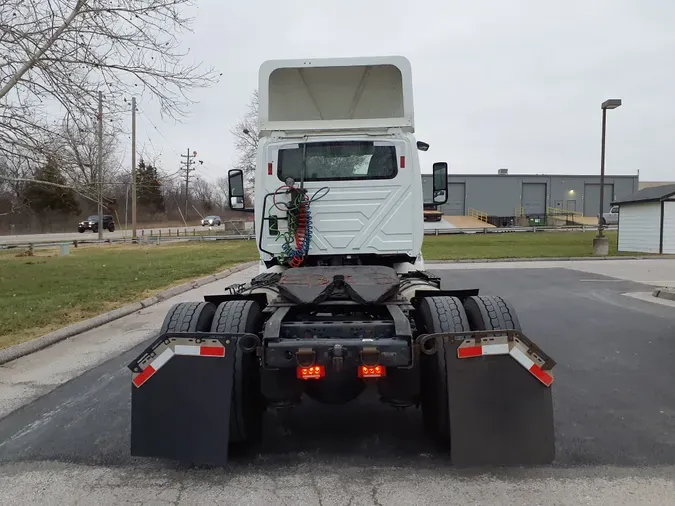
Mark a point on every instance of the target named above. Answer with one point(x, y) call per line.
point(41, 293)
point(45, 292)
point(513, 245)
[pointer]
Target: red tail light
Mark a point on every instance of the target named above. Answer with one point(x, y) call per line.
point(313, 372)
point(377, 371)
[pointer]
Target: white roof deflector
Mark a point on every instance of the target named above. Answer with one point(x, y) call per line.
point(336, 93)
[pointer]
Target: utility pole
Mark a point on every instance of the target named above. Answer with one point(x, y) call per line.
point(188, 168)
point(100, 165)
point(133, 169)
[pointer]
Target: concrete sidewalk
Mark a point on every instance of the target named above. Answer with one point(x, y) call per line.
point(655, 272)
point(32, 376)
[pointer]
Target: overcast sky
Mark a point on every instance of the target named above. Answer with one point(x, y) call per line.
point(515, 84)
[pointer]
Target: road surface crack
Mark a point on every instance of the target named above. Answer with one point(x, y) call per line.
point(373, 495)
point(317, 489)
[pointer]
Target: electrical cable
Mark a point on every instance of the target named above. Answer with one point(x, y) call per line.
point(298, 237)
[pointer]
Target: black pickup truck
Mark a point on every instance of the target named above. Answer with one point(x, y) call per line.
point(91, 223)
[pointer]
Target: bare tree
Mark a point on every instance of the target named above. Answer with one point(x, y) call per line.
point(222, 190)
point(203, 191)
point(79, 153)
point(15, 172)
point(246, 139)
point(62, 52)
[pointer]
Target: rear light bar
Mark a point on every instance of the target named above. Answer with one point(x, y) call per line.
point(377, 371)
point(313, 372)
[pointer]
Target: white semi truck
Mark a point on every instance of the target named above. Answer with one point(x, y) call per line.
point(342, 301)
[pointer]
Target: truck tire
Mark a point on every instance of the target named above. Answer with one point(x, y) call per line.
point(189, 317)
point(246, 410)
point(438, 314)
point(491, 313)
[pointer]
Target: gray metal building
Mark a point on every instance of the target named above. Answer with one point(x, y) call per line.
point(506, 194)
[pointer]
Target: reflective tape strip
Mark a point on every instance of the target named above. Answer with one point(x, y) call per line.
point(180, 349)
point(523, 359)
point(496, 349)
point(187, 350)
point(212, 351)
point(469, 351)
point(162, 359)
point(541, 375)
point(530, 365)
point(486, 349)
point(200, 351)
point(144, 376)
point(153, 367)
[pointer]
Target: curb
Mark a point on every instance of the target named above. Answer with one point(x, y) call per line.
point(39, 343)
point(665, 293)
point(544, 259)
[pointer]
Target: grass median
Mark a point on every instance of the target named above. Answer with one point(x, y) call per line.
point(42, 293)
point(513, 245)
point(45, 292)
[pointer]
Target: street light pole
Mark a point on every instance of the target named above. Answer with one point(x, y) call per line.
point(600, 243)
point(602, 172)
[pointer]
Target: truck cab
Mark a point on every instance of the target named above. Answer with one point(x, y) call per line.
point(342, 129)
point(342, 303)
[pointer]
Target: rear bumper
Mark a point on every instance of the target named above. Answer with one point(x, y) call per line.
point(338, 352)
point(334, 353)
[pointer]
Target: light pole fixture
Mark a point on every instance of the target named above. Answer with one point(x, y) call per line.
point(600, 244)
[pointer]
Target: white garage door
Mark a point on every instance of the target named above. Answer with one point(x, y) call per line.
point(669, 227)
point(640, 227)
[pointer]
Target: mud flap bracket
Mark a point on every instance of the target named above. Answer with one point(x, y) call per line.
point(181, 393)
point(499, 398)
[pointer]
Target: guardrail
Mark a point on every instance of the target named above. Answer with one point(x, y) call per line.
point(480, 215)
point(156, 239)
point(504, 230)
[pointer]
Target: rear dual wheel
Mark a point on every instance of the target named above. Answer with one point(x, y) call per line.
point(444, 314)
point(233, 316)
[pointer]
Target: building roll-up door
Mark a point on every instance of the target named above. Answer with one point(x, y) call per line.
point(455, 205)
point(534, 198)
point(592, 198)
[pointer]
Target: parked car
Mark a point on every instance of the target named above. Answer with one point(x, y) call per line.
point(612, 217)
point(91, 223)
point(211, 221)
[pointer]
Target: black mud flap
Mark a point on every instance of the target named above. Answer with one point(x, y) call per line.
point(500, 400)
point(181, 392)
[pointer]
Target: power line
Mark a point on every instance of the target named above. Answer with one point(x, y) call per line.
point(158, 130)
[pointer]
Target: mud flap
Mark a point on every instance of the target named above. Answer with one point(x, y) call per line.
point(500, 400)
point(181, 394)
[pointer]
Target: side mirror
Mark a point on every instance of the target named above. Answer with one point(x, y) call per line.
point(235, 188)
point(422, 146)
point(440, 182)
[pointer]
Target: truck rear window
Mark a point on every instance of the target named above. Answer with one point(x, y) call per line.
point(338, 161)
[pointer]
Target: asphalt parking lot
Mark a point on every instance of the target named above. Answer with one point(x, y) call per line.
point(614, 407)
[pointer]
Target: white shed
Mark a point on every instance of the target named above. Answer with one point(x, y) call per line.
point(647, 221)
